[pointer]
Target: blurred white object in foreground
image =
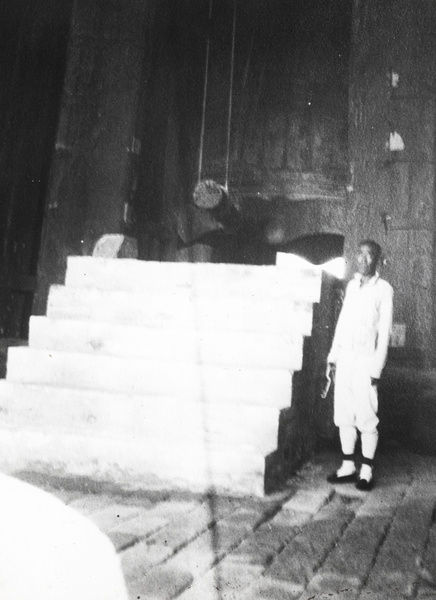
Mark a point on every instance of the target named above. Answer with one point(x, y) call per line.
point(48, 551)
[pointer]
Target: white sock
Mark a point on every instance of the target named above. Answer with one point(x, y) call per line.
point(369, 443)
point(347, 468)
point(365, 473)
point(348, 436)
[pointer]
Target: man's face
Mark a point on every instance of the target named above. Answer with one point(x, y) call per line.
point(366, 261)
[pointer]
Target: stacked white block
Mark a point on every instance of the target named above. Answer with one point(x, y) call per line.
point(158, 374)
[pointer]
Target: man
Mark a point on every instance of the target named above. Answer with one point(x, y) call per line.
point(358, 355)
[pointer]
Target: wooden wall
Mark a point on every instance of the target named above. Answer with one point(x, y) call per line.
point(91, 180)
point(33, 40)
point(393, 90)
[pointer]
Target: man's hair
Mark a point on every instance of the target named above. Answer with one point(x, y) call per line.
point(376, 249)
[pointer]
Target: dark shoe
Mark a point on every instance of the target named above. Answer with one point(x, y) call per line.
point(334, 478)
point(364, 485)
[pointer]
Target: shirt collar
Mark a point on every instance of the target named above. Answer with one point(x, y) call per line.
point(372, 281)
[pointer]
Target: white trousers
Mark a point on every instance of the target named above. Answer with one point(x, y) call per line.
point(356, 399)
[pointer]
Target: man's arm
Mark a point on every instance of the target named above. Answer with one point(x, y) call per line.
point(383, 334)
point(341, 327)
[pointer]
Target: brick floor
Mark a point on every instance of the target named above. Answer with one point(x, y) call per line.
point(310, 541)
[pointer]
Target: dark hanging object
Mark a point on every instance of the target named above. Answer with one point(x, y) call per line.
point(209, 191)
point(208, 194)
point(212, 212)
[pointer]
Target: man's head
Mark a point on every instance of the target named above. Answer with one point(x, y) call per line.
point(368, 256)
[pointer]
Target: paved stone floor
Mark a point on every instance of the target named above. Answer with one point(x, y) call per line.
point(310, 541)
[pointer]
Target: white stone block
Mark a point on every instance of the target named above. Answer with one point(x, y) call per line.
point(108, 437)
point(188, 345)
point(158, 374)
point(156, 419)
point(134, 464)
point(187, 381)
point(216, 280)
point(164, 311)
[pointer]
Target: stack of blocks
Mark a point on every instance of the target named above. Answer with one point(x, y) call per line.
point(158, 375)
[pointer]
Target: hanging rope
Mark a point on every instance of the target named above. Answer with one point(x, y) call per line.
point(229, 117)
point(209, 194)
point(206, 77)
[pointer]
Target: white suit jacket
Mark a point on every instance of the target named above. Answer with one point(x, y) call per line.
point(365, 324)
